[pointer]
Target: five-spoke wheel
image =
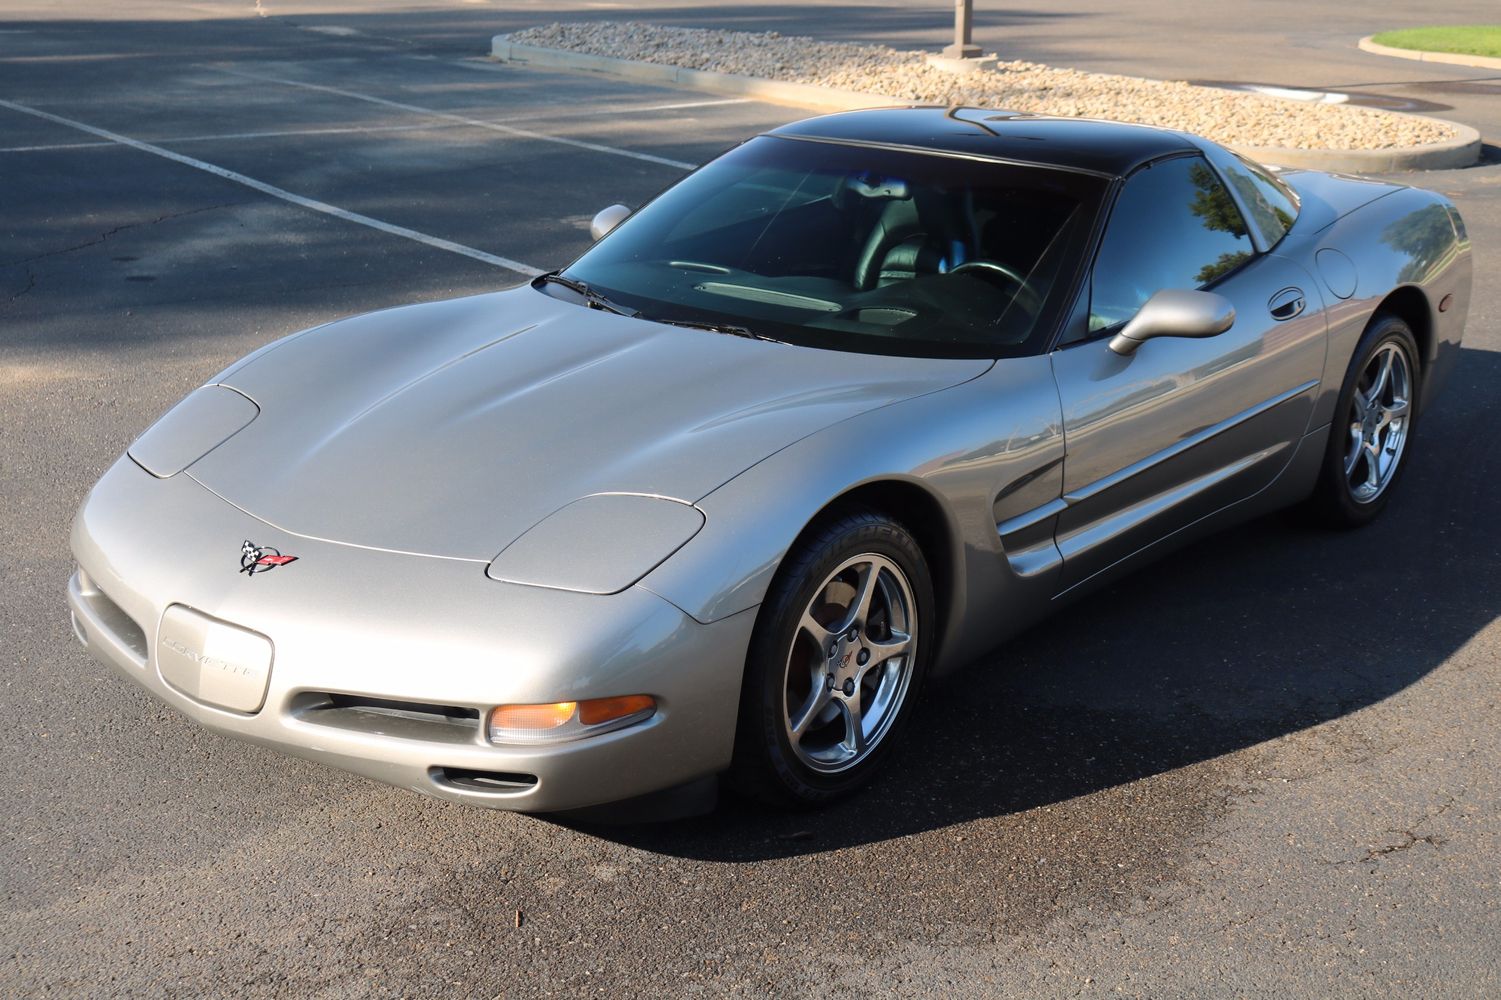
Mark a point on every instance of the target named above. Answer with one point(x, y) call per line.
point(1372, 431)
point(836, 661)
point(850, 663)
point(1379, 409)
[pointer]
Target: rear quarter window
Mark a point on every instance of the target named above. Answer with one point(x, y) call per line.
point(1271, 204)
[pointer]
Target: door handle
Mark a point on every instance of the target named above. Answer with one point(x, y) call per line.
point(1286, 304)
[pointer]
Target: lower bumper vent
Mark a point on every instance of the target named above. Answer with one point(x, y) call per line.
point(494, 782)
point(122, 628)
point(386, 717)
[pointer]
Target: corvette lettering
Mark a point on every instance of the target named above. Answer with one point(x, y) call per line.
point(202, 659)
point(260, 558)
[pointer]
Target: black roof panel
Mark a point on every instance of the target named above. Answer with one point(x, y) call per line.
point(1113, 148)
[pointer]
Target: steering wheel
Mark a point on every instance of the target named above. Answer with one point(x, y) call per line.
point(1024, 294)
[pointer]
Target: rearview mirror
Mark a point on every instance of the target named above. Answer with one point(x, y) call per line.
point(607, 219)
point(1175, 312)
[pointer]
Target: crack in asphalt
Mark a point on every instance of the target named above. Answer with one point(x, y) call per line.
point(1242, 921)
point(1412, 840)
point(30, 284)
point(1411, 837)
point(117, 229)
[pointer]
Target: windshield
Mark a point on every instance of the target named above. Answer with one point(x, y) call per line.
point(853, 248)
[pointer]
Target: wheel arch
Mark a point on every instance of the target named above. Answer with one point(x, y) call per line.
point(942, 456)
point(1410, 304)
point(932, 524)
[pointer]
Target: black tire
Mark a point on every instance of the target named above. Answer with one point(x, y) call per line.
point(1334, 502)
point(766, 767)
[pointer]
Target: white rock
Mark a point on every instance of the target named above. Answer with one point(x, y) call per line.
point(1227, 116)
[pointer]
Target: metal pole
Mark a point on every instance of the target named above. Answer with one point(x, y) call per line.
point(963, 48)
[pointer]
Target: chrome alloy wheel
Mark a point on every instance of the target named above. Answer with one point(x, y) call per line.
point(1379, 420)
point(850, 664)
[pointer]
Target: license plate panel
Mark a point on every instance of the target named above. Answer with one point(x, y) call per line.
point(212, 661)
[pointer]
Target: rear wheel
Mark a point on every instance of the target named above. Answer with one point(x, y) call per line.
point(836, 661)
point(1373, 424)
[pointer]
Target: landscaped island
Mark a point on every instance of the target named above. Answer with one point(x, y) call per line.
point(1235, 118)
point(1461, 39)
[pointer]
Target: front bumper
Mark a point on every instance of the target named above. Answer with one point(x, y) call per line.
point(385, 664)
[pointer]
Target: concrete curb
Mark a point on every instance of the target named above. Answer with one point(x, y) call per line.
point(1367, 44)
point(1461, 151)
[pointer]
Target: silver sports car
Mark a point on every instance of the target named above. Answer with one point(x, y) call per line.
point(841, 410)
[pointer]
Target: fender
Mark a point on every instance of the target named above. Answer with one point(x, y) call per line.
point(1001, 441)
point(1406, 240)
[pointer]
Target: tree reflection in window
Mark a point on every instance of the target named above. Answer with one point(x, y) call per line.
point(1271, 204)
point(1173, 225)
point(1216, 209)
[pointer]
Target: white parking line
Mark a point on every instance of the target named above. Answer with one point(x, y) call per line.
point(594, 147)
point(229, 137)
point(720, 102)
point(276, 192)
point(357, 129)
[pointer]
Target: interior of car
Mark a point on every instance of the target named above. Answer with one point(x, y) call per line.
point(938, 253)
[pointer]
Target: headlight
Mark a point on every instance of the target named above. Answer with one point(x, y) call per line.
point(598, 545)
point(194, 427)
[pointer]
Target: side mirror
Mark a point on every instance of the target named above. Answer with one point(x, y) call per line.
point(607, 219)
point(1175, 312)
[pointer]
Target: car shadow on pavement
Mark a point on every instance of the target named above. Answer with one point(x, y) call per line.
point(1256, 633)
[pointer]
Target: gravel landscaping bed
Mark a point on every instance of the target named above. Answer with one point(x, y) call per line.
point(1230, 117)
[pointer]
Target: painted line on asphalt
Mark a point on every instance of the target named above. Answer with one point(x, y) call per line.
point(358, 129)
point(228, 137)
point(313, 204)
point(677, 106)
point(594, 147)
point(489, 66)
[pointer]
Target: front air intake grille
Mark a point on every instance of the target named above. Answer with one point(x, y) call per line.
point(112, 618)
point(408, 720)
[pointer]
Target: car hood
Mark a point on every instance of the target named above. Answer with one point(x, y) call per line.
point(449, 429)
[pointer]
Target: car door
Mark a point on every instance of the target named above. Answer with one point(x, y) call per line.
point(1182, 427)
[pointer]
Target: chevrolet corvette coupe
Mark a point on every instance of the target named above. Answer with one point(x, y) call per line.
point(841, 410)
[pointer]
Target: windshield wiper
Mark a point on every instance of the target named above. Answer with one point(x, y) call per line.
point(594, 300)
point(591, 298)
point(730, 328)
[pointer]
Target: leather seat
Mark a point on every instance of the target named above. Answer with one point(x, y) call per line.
point(907, 240)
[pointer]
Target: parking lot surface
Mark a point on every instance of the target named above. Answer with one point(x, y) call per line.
point(1268, 766)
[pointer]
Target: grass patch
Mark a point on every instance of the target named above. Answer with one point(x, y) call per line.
point(1465, 39)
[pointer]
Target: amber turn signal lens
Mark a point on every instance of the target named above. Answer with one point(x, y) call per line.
point(562, 721)
point(526, 718)
point(598, 710)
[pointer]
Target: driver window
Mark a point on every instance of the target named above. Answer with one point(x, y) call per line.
point(1173, 226)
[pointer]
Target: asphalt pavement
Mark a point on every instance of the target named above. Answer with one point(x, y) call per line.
point(1266, 767)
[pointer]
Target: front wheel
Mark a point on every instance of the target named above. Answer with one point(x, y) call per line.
point(836, 661)
point(1373, 424)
